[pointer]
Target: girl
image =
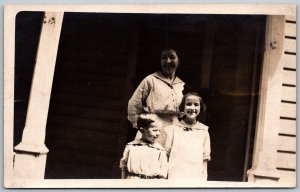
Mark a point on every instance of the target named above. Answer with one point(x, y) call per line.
point(188, 142)
point(144, 158)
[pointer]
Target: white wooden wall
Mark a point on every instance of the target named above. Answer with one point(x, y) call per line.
point(286, 148)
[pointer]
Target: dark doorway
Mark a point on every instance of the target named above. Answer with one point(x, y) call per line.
point(103, 57)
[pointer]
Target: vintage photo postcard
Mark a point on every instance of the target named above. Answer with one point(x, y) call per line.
point(171, 95)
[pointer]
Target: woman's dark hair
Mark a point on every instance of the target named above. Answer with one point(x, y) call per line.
point(145, 120)
point(170, 50)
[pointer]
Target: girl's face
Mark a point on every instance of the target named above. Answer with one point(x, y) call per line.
point(192, 107)
point(152, 133)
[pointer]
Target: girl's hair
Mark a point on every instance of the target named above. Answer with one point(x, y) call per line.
point(168, 49)
point(187, 91)
point(182, 104)
point(145, 120)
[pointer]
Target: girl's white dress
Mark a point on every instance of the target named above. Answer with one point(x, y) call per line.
point(187, 147)
point(144, 158)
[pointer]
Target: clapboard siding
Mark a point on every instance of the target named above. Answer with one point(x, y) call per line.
point(87, 147)
point(287, 176)
point(286, 160)
point(80, 159)
point(288, 127)
point(75, 164)
point(289, 61)
point(82, 43)
point(288, 110)
point(62, 170)
point(107, 34)
point(290, 45)
point(87, 101)
point(286, 146)
point(290, 18)
point(289, 77)
point(84, 88)
point(86, 112)
point(83, 123)
point(290, 30)
point(93, 68)
point(288, 94)
point(286, 143)
point(90, 79)
point(89, 136)
point(92, 56)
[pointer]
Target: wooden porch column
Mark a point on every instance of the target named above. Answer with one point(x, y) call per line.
point(31, 153)
point(268, 119)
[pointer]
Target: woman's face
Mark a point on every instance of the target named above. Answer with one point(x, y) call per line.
point(169, 62)
point(192, 107)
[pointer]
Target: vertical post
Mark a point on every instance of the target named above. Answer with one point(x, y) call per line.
point(31, 153)
point(253, 89)
point(265, 149)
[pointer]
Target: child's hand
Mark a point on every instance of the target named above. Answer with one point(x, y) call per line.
point(123, 174)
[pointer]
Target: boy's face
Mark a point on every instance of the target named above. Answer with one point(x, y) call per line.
point(192, 106)
point(152, 133)
point(169, 62)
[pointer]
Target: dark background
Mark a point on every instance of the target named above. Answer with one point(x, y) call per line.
point(101, 60)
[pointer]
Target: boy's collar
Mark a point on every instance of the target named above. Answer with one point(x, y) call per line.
point(141, 142)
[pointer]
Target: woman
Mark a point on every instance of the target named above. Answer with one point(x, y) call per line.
point(159, 93)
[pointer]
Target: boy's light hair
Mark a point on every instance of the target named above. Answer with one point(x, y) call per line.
point(146, 119)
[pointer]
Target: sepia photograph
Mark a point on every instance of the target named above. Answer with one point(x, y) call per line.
point(177, 96)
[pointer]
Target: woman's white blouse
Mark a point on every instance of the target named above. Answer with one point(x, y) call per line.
point(155, 94)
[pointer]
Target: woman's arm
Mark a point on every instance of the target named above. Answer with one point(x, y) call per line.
point(169, 139)
point(135, 104)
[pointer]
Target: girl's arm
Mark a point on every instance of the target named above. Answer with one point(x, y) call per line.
point(206, 147)
point(205, 169)
point(206, 155)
